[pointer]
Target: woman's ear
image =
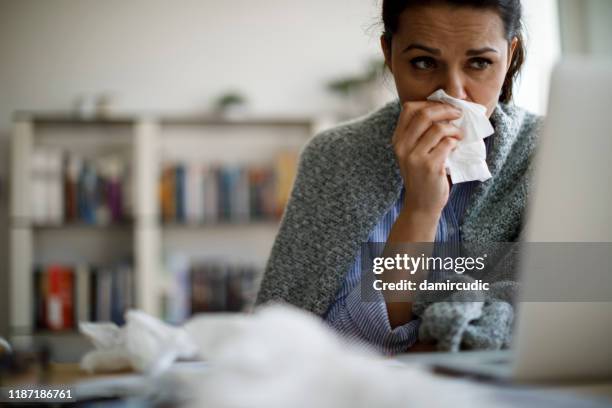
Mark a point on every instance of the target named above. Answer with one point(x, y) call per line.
point(386, 49)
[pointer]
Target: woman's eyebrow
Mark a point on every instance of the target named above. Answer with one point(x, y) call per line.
point(416, 46)
point(480, 51)
point(436, 51)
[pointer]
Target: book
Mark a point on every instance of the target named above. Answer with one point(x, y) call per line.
point(211, 194)
point(72, 169)
point(122, 292)
point(83, 294)
point(194, 191)
point(55, 186)
point(241, 206)
point(40, 298)
point(38, 183)
point(87, 194)
point(167, 194)
point(180, 192)
point(104, 289)
point(60, 298)
point(200, 296)
point(286, 167)
point(110, 203)
point(178, 305)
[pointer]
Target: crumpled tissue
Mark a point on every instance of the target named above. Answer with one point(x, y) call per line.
point(144, 344)
point(468, 161)
point(282, 356)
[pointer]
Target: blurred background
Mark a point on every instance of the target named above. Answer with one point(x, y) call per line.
point(147, 147)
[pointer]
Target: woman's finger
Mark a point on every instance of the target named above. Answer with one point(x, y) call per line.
point(408, 110)
point(440, 153)
point(434, 135)
point(422, 120)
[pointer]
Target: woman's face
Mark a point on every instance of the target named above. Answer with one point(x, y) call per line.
point(462, 50)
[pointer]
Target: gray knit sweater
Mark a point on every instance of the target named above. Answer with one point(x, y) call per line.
point(348, 178)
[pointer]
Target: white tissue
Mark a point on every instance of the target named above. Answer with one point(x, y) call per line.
point(144, 344)
point(468, 161)
point(285, 357)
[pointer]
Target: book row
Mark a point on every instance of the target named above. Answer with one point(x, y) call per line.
point(211, 286)
point(65, 295)
point(196, 193)
point(66, 187)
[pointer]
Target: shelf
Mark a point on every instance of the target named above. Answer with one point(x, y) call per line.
point(247, 121)
point(128, 225)
point(145, 237)
point(64, 333)
point(68, 118)
point(83, 225)
point(20, 223)
point(225, 224)
point(45, 332)
point(64, 118)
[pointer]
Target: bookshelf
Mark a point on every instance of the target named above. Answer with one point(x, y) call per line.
point(146, 144)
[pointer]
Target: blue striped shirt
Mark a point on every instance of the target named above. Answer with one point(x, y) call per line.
point(368, 321)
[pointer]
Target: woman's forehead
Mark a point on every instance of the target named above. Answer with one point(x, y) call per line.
point(444, 26)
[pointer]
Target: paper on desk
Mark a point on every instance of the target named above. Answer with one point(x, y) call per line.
point(165, 388)
point(468, 161)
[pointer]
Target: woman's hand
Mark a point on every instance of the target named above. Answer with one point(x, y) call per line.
point(422, 141)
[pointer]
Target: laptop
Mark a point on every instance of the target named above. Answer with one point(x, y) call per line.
point(557, 340)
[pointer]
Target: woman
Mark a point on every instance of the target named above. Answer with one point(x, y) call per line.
point(382, 178)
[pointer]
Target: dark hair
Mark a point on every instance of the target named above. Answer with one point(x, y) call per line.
point(510, 12)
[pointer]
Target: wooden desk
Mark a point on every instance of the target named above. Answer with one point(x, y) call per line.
point(57, 374)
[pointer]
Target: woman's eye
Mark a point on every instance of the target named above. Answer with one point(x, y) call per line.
point(423, 63)
point(480, 63)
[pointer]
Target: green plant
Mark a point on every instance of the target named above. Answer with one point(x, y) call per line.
point(343, 86)
point(229, 99)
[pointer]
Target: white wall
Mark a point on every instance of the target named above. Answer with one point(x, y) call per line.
point(177, 55)
point(586, 27)
point(541, 19)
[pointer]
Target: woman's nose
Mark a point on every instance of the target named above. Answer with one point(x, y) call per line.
point(454, 86)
